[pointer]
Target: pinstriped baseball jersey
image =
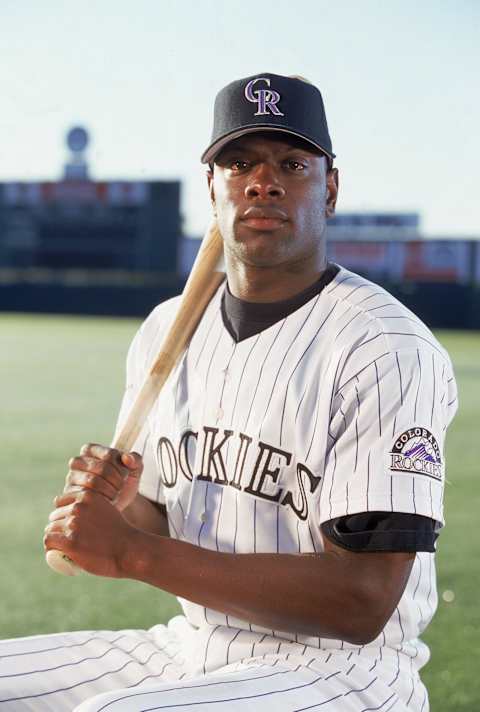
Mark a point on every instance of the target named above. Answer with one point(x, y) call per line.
point(339, 408)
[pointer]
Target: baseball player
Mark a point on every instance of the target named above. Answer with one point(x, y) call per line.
point(288, 484)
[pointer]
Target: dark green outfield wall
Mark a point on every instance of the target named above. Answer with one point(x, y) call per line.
point(105, 300)
point(450, 306)
point(445, 306)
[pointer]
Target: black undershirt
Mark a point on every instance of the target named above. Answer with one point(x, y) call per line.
point(244, 319)
point(367, 531)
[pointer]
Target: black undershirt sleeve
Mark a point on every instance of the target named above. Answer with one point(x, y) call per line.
point(383, 531)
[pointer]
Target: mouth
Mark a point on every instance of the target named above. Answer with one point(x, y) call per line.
point(263, 224)
point(263, 219)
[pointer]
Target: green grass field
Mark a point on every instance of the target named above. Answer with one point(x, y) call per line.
point(62, 379)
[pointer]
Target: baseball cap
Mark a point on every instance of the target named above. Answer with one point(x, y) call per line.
point(269, 102)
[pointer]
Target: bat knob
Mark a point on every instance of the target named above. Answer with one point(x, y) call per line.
point(61, 563)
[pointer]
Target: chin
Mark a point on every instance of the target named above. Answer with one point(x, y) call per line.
point(262, 249)
point(261, 255)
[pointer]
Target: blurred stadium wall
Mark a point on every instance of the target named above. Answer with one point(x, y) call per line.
point(117, 247)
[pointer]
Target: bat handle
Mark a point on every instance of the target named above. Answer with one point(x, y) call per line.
point(60, 563)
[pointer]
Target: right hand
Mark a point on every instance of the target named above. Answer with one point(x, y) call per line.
point(111, 473)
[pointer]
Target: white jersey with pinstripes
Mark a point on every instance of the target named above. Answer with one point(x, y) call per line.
point(337, 409)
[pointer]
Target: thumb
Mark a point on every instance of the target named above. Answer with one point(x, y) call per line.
point(133, 461)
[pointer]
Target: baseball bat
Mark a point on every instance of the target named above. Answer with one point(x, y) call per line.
point(205, 278)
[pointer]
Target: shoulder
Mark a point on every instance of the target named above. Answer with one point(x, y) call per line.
point(159, 319)
point(370, 324)
point(149, 336)
point(365, 310)
point(151, 333)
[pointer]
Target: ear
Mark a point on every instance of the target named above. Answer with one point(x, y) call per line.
point(332, 192)
point(211, 190)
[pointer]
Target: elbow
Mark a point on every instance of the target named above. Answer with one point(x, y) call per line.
point(363, 635)
point(356, 625)
point(367, 622)
point(369, 587)
point(361, 632)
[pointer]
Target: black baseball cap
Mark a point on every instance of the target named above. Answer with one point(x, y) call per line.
point(269, 102)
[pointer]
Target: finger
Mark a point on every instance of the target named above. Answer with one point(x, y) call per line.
point(57, 540)
point(73, 489)
point(65, 498)
point(97, 466)
point(60, 513)
point(56, 526)
point(100, 452)
point(74, 496)
point(78, 479)
point(113, 473)
point(134, 463)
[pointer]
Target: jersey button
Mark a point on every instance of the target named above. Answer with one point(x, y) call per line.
point(203, 517)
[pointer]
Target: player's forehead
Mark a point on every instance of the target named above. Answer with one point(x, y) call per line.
point(260, 141)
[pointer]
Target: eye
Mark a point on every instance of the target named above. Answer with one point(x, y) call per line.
point(237, 164)
point(295, 165)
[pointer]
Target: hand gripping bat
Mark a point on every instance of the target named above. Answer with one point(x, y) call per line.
point(205, 278)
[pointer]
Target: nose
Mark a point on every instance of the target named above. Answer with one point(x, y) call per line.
point(264, 183)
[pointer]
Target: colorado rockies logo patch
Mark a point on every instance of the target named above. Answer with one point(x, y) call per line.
point(416, 451)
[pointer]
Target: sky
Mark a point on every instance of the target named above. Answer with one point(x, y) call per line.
point(399, 80)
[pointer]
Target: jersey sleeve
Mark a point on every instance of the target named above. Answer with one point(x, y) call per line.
point(386, 436)
point(140, 353)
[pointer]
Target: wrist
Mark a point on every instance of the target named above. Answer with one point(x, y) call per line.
point(125, 499)
point(136, 560)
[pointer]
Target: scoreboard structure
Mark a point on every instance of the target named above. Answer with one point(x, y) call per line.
point(77, 223)
point(62, 240)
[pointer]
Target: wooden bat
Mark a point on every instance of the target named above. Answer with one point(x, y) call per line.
point(204, 280)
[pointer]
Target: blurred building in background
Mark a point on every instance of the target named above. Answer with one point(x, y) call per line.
point(438, 279)
point(114, 225)
point(116, 247)
point(111, 246)
point(374, 226)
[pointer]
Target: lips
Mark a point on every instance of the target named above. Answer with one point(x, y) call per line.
point(267, 218)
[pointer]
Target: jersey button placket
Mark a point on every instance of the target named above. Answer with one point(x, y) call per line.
point(225, 372)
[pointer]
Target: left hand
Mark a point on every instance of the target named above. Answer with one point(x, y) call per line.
point(91, 531)
point(107, 471)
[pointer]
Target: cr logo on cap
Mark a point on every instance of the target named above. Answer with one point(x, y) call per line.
point(266, 99)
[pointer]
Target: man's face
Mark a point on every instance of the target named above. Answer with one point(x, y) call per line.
point(272, 195)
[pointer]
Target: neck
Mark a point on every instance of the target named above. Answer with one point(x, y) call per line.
point(272, 284)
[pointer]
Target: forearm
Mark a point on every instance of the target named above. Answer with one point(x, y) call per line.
point(311, 594)
point(148, 516)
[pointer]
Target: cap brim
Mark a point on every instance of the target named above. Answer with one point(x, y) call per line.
point(214, 149)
